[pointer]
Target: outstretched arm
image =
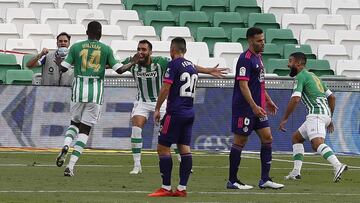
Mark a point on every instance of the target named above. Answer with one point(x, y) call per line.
point(214, 71)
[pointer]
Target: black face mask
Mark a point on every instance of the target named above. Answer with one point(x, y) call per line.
point(293, 72)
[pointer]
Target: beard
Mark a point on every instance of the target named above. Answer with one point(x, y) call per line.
point(144, 61)
point(293, 72)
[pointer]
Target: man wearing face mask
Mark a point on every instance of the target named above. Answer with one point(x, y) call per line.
point(49, 60)
point(320, 102)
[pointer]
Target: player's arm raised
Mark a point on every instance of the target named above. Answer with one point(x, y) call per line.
point(133, 60)
point(214, 71)
point(164, 92)
point(290, 108)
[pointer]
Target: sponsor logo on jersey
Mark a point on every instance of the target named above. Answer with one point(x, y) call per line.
point(152, 74)
point(242, 71)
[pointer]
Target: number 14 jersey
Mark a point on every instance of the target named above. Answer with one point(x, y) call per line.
point(89, 58)
point(182, 75)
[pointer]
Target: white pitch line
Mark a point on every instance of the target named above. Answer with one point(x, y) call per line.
point(190, 192)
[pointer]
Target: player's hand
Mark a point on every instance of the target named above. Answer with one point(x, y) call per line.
point(218, 72)
point(259, 112)
point(330, 128)
point(135, 59)
point(44, 51)
point(271, 107)
point(157, 117)
point(282, 125)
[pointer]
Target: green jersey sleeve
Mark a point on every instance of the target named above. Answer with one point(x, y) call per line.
point(326, 89)
point(164, 61)
point(114, 64)
point(298, 86)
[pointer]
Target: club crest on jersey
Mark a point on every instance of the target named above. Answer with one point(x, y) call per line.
point(242, 71)
point(152, 74)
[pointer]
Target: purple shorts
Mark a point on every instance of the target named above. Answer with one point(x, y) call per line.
point(245, 125)
point(175, 129)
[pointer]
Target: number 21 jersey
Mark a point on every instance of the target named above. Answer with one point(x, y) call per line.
point(182, 75)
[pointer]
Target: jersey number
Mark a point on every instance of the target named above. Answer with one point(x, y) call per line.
point(318, 84)
point(93, 61)
point(188, 89)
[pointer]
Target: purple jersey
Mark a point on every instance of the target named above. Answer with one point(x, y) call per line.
point(250, 68)
point(182, 75)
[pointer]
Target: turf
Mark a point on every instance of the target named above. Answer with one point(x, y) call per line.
point(104, 177)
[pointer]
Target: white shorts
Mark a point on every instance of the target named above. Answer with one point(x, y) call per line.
point(314, 126)
point(145, 108)
point(86, 113)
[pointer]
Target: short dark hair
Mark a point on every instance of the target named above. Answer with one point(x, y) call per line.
point(251, 32)
point(94, 27)
point(299, 56)
point(63, 34)
point(144, 41)
point(179, 43)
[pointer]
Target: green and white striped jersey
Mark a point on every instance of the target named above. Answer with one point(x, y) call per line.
point(89, 58)
point(149, 78)
point(313, 92)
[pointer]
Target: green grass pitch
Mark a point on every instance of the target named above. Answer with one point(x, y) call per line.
point(104, 177)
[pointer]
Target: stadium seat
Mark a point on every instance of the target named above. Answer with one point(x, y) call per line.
point(176, 6)
point(161, 48)
point(350, 68)
point(280, 37)
point(332, 53)
point(278, 66)
point(71, 6)
point(211, 35)
point(49, 44)
point(37, 32)
point(304, 48)
point(124, 48)
point(228, 51)
point(111, 32)
point(21, 45)
point(124, 19)
point(141, 6)
point(20, 16)
point(263, 20)
point(7, 62)
point(239, 35)
point(279, 7)
point(84, 16)
point(319, 67)
point(228, 20)
point(7, 31)
point(19, 77)
point(25, 59)
point(107, 6)
point(313, 8)
point(38, 5)
point(196, 50)
point(54, 17)
point(345, 8)
point(5, 4)
point(244, 7)
point(76, 31)
point(331, 23)
point(210, 7)
point(169, 33)
point(142, 32)
point(355, 22)
point(355, 52)
point(296, 22)
point(271, 51)
point(193, 20)
point(314, 38)
point(159, 19)
point(349, 38)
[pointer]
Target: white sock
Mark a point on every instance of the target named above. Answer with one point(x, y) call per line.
point(71, 132)
point(298, 156)
point(181, 187)
point(166, 187)
point(136, 145)
point(328, 154)
point(78, 149)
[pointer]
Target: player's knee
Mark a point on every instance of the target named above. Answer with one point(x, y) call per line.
point(84, 129)
point(77, 124)
point(163, 150)
point(267, 139)
point(316, 142)
point(136, 132)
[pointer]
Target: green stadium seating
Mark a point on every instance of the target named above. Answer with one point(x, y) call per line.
point(319, 67)
point(280, 37)
point(20, 77)
point(239, 35)
point(25, 59)
point(193, 20)
point(7, 62)
point(278, 66)
point(210, 7)
point(211, 35)
point(159, 19)
point(141, 6)
point(228, 20)
point(270, 51)
point(263, 20)
point(304, 48)
point(244, 7)
point(175, 6)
